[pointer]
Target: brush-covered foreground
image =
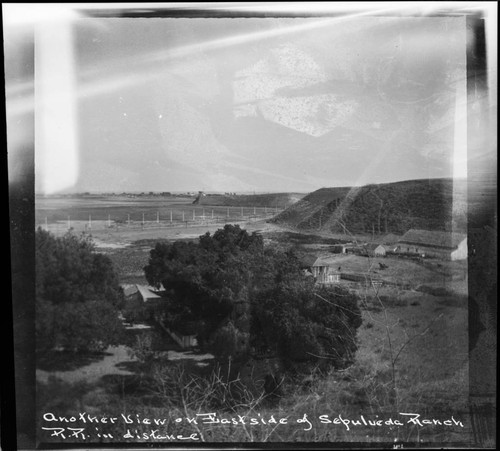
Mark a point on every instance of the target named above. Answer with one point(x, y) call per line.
point(412, 359)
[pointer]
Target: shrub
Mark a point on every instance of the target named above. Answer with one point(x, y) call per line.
point(303, 325)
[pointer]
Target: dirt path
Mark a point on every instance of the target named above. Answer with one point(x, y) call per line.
point(91, 373)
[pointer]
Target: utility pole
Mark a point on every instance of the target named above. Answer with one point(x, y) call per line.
point(90, 222)
point(182, 215)
point(143, 219)
point(170, 216)
point(157, 217)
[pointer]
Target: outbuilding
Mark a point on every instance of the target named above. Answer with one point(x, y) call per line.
point(438, 244)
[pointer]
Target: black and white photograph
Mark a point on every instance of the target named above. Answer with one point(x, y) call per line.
point(251, 224)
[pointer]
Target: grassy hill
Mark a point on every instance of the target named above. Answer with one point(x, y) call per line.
point(383, 208)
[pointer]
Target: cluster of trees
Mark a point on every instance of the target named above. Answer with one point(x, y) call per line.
point(242, 298)
point(78, 295)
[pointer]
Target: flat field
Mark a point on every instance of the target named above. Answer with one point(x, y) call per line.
point(110, 211)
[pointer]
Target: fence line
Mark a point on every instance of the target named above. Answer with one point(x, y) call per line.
point(152, 220)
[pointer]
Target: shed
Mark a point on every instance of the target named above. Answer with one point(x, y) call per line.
point(380, 251)
point(370, 248)
point(339, 249)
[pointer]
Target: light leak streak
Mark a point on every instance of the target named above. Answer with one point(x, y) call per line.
point(149, 67)
point(56, 141)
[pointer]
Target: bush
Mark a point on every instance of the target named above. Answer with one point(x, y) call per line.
point(142, 349)
point(229, 341)
point(88, 326)
point(306, 326)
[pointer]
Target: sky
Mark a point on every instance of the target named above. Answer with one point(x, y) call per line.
point(283, 105)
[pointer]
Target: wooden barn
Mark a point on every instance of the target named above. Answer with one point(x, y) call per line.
point(427, 243)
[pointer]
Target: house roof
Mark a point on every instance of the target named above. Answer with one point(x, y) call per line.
point(430, 238)
point(129, 290)
point(371, 246)
point(147, 292)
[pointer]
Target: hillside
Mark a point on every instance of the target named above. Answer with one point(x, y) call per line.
point(383, 208)
point(271, 200)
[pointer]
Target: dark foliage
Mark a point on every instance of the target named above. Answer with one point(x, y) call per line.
point(243, 298)
point(305, 324)
point(77, 295)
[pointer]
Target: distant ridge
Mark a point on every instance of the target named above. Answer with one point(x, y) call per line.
point(382, 208)
point(270, 200)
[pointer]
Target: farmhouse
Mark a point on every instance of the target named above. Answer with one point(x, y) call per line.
point(445, 245)
point(320, 269)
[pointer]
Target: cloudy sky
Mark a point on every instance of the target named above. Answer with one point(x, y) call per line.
point(255, 104)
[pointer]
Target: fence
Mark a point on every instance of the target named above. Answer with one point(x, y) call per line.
point(188, 217)
point(184, 341)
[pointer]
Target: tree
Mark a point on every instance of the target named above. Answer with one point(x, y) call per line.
point(241, 296)
point(204, 280)
point(77, 294)
point(304, 324)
